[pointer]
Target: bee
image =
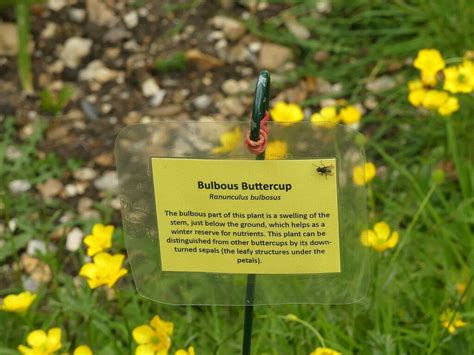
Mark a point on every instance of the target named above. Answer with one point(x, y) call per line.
point(324, 170)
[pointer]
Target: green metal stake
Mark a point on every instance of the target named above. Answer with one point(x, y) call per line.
point(260, 107)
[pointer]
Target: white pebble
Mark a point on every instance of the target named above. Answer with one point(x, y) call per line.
point(36, 246)
point(131, 19)
point(150, 88)
point(74, 239)
point(17, 186)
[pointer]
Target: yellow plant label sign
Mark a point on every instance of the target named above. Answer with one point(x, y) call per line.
point(247, 216)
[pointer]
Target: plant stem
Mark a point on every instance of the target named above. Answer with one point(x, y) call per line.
point(412, 224)
point(22, 11)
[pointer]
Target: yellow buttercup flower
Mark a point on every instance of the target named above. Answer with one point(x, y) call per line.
point(416, 97)
point(429, 79)
point(18, 303)
point(434, 99)
point(449, 106)
point(379, 238)
point(100, 239)
point(190, 351)
point(467, 69)
point(327, 117)
point(229, 140)
point(41, 343)
point(460, 288)
point(459, 78)
point(286, 113)
point(325, 351)
point(362, 174)
point(153, 338)
point(416, 92)
point(83, 350)
point(276, 150)
point(429, 62)
point(105, 269)
point(350, 114)
point(415, 85)
point(451, 321)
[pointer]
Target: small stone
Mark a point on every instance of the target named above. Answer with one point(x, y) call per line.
point(104, 159)
point(49, 31)
point(296, 28)
point(74, 239)
point(215, 36)
point(74, 50)
point(12, 225)
point(220, 45)
point(106, 108)
point(254, 47)
point(67, 217)
point(232, 29)
point(207, 81)
point(99, 13)
point(321, 56)
point(85, 174)
point(35, 247)
point(77, 15)
point(27, 130)
point(180, 95)
point(107, 182)
point(150, 87)
point(158, 98)
point(29, 284)
point(18, 186)
point(97, 71)
point(239, 54)
point(59, 232)
point(89, 110)
point(273, 56)
point(202, 60)
point(8, 39)
point(112, 53)
point(13, 153)
point(56, 5)
point(50, 188)
point(57, 67)
point(323, 6)
point(381, 84)
point(167, 111)
point(91, 214)
point(323, 86)
point(81, 187)
point(202, 102)
point(38, 270)
point(336, 88)
point(116, 34)
point(70, 190)
point(231, 106)
point(232, 86)
point(131, 19)
point(371, 103)
point(144, 12)
point(132, 117)
point(84, 204)
point(132, 46)
point(115, 204)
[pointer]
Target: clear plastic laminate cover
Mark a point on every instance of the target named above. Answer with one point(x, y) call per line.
point(138, 145)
